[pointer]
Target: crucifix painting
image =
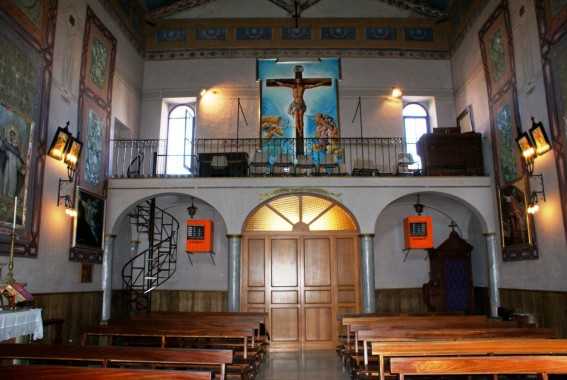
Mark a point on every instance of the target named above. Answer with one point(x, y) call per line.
point(299, 102)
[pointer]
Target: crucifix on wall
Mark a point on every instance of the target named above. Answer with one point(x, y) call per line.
point(298, 107)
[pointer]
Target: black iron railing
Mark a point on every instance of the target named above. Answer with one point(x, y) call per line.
point(245, 157)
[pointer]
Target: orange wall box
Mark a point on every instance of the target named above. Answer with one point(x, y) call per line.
point(199, 236)
point(418, 232)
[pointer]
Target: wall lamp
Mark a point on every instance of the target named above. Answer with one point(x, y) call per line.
point(66, 148)
point(192, 210)
point(533, 145)
point(396, 92)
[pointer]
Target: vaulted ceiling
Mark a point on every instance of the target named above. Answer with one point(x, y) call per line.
point(437, 9)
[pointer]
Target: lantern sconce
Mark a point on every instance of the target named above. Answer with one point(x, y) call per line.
point(192, 210)
point(66, 148)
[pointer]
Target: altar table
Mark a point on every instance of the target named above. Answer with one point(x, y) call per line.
point(14, 324)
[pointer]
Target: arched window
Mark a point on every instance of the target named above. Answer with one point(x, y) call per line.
point(416, 123)
point(180, 130)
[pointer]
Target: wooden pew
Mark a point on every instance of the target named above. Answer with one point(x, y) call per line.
point(452, 334)
point(386, 350)
point(111, 356)
point(479, 365)
point(385, 335)
point(238, 339)
point(18, 372)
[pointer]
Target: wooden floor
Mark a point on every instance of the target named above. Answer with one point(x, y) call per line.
point(302, 365)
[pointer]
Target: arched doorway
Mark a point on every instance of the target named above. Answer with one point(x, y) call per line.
point(300, 261)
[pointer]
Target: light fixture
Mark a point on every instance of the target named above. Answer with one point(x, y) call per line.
point(533, 147)
point(396, 92)
point(533, 206)
point(60, 143)
point(203, 92)
point(539, 138)
point(418, 206)
point(192, 210)
point(67, 148)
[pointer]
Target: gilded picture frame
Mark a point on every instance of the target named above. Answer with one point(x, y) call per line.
point(465, 120)
point(515, 221)
point(88, 227)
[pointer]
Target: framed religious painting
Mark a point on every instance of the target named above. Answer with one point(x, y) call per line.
point(515, 222)
point(97, 68)
point(94, 124)
point(465, 120)
point(298, 106)
point(32, 15)
point(505, 122)
point(88, 228)
point(497, 50)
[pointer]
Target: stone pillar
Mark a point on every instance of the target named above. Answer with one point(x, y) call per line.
point(367, 272)
point(493, 273)
point(107, 275)
point(234, 246)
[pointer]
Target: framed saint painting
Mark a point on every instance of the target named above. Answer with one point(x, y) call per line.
point(88, 229)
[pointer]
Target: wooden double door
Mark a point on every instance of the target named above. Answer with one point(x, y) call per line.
point(302, 280)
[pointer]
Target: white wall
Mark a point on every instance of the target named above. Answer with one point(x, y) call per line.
point(470, 88)
point(52, 271)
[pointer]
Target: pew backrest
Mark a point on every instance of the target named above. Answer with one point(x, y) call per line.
point(17, 372)
point(466, 347)
point(476, 365)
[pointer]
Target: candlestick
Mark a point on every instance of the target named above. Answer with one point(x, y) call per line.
point(15, 211)
point(10, 276)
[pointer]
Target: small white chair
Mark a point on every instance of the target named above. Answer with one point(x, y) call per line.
point(219, 164)
point(260, 164)
point(305, 165)
point(329, 165)
point(283, 164)
point(404, 161)
point(364, 167)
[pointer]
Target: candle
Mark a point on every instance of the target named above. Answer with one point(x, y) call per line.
point(15, 210)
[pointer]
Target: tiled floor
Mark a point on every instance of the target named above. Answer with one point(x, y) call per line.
point(302, 365)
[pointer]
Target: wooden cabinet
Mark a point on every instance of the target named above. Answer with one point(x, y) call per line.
point(450, 286)
point(451, 154)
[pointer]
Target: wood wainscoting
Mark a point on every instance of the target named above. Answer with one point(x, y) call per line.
point(77, 309)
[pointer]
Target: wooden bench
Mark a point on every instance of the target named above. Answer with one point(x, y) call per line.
point(541, 365)
point(368, 336)
point(386, 350)
point(347, 347)
point(18, 372)
point(236, 339)
point(214, 359)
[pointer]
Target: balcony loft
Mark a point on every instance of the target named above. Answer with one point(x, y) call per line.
point(434, 155)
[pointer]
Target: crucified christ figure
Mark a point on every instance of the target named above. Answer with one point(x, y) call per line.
point(298, 107)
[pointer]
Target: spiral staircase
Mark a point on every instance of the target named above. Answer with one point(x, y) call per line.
point(155, 265)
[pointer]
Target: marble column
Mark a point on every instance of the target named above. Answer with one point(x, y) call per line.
point(107, 275)
point(234, 246)
point(493, 273)
point(367, 272)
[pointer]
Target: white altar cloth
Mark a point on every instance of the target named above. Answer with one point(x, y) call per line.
point(14, 324)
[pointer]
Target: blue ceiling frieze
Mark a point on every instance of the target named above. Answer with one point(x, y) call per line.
point(296, 33)
point(338, 33)
point(171, 35)
point(418, 34)
point(380, 33)
point(211, 34)
point(244, 34)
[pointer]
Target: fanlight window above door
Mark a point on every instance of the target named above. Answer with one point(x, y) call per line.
point(300, 213)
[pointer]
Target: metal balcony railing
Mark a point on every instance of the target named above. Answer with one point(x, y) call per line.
point(341, 156)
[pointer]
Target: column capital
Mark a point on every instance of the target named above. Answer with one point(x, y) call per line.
point(487, 234)
point(366, 235)
point(135, 241)
point(234, 236)
point(111, 236)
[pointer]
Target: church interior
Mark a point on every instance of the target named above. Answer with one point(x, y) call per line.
point(302, 160)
